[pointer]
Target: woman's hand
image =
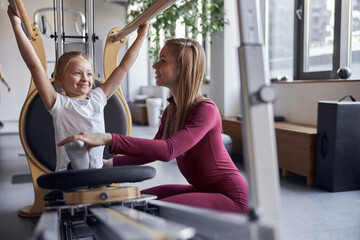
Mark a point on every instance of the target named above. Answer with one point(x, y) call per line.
point(90, 139)
point(108, 162)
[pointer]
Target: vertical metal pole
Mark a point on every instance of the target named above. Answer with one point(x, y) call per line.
point(90, 28)
point(257, 96)
point(59, 29)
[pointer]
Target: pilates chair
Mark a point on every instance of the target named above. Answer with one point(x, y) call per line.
point(37, 138)
point(36, 129)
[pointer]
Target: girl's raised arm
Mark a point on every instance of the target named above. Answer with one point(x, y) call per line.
point(118, 75)
point(38, 73)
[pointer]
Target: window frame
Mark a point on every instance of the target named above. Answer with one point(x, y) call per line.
point(300, 31)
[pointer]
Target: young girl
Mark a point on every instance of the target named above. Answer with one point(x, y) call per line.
point(190, 131)
point(80, 108)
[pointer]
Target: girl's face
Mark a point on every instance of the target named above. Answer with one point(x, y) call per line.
point(78, 78)
point(167, 69)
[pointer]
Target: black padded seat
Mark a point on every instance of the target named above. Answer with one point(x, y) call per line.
point(39, 133)
point(115, 118)
point(71, 179)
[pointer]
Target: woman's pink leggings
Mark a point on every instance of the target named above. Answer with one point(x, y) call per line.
point(185, 194)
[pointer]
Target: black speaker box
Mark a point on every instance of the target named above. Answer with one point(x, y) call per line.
point(337, 164)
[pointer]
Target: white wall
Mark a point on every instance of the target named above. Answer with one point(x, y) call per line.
point(138, 75)
point(107, 16)
point(298, 101)
point(225, 84)
point(14, 70)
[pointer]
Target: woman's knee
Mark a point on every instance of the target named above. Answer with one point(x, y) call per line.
point(168, 190)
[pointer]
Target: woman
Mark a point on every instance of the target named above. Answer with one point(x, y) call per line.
point(190, 131)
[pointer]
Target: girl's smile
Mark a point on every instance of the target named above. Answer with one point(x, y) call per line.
point(78, 78)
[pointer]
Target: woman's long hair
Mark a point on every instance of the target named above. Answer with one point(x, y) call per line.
point(191, 59)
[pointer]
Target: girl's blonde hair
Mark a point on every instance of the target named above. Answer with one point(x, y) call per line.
point(64, 60)
point(191, 59)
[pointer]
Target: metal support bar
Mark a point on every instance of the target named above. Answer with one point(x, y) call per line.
point(88, 37)
point(59, 30)
point(118, 226)
point(47, 227)
point(171, 229)
point(210, 224)
point(258, 125)
point(78, 37)
point(90, 28)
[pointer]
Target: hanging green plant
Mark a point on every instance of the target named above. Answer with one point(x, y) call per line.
point(196, 18)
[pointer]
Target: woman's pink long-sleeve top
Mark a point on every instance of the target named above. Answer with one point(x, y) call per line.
point(199, 151)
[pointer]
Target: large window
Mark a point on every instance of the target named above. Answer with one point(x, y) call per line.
point(313, 39)
point(281, 38)
point(355, 40)
point(319, 37)
point(317, 52)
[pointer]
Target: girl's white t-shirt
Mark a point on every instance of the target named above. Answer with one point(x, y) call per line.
point(72, 116)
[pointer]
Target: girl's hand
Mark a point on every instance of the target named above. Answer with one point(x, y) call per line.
point(15, 19)
point(90, 139)
point(142, 30)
